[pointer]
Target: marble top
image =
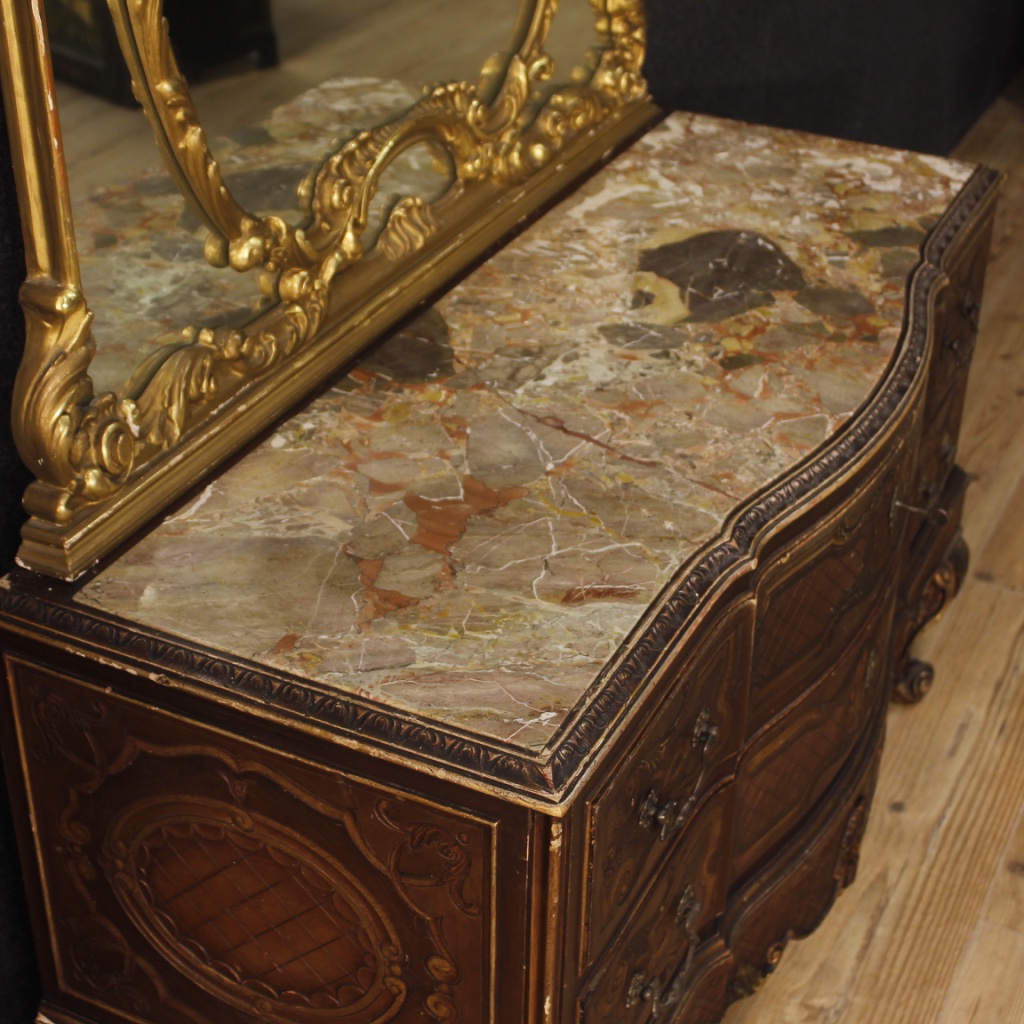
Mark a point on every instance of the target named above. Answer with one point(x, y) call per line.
point(470, 524)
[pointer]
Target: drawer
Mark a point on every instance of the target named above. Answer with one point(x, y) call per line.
point(792, 895)
point(937, 451)
point(648, 800)
point(956, 319)
point(816, 595)
point(647, 970)
point(790, 765)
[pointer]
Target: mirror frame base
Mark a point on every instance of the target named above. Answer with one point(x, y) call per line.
point(486, 215)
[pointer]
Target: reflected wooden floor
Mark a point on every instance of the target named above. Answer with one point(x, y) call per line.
point(932, 932)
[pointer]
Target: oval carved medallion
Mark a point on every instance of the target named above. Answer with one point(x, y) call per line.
point(253, 914)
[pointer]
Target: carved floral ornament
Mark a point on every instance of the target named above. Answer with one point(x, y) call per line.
point(106, 463)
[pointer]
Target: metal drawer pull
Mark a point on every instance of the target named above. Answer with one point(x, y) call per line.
point(658, 996)
point(672, 815)
point(935, 516)
point(960, 345)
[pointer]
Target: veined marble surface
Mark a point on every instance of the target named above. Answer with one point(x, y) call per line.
point(470, 523)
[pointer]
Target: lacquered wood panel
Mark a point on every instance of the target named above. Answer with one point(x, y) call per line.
point(194, 876)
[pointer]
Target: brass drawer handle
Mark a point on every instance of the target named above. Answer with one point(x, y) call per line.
point(935, 516)
point(657, 995)
point(960, 345)
point(672, 815)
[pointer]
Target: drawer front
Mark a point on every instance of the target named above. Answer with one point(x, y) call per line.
point(817, 594)
point(956, 318)
point(937, 452)
point(646, 972)
point(200, 878)
point(956, 326)
point(651, 797)
point(790, 898)
point(788, 767)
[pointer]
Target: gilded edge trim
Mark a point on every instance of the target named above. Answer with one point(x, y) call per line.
point(547, 779)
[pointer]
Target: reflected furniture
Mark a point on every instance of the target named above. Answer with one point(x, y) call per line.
point(206, 36)
point(537, 670)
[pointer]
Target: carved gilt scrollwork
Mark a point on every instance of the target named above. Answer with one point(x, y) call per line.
point(90, 452)
point(483, 141)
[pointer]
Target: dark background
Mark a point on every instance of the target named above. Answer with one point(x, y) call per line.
point(908, 73)
point(18, 981)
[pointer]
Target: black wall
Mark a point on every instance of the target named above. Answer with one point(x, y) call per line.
point(18, 982)
point(908, 73)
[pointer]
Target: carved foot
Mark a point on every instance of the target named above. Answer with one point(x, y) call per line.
point(750, 977)
point(913, 678)
point(913, 682)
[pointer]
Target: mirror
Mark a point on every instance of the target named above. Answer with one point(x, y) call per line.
point(400, 188)
point(140, 246)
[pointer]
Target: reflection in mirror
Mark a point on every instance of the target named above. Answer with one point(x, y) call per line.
point(141, 245)
point(324, 253)
point(342, 67)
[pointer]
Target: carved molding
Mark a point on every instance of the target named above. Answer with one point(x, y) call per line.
point(849, 848)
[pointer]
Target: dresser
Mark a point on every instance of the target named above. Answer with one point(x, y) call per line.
point(536, 670)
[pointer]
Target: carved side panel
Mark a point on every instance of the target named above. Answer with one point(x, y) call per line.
point(194, 877)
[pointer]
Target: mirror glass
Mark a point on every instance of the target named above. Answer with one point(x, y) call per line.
point(330, 165)
point(271, 119)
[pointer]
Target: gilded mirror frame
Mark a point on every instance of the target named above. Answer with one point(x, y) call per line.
point(106, 463)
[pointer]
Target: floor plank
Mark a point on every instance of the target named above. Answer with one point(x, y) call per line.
point(989, 987)
point(1005, 904)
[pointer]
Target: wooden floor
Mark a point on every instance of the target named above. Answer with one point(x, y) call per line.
point(932, 932)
